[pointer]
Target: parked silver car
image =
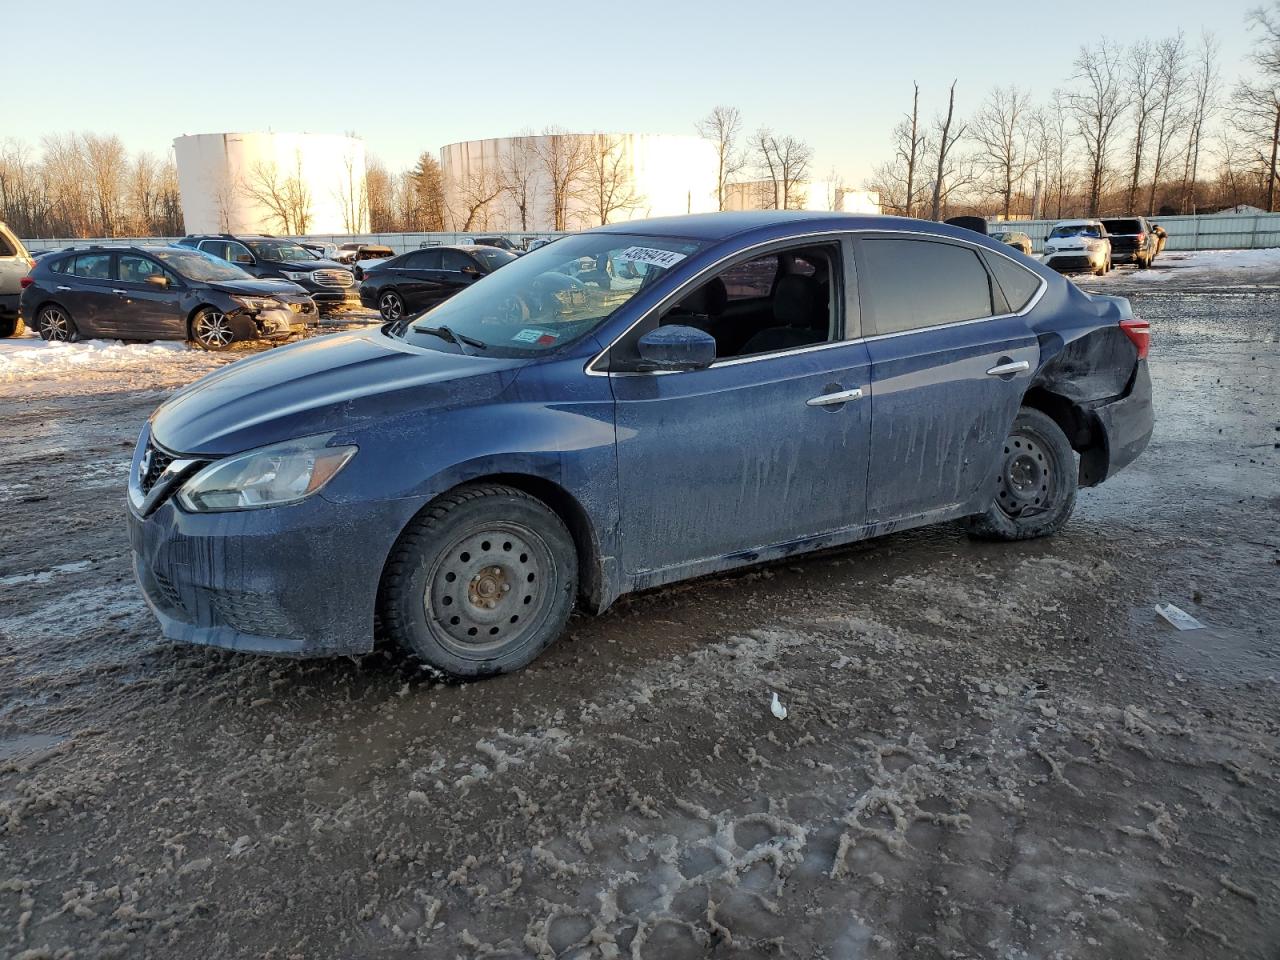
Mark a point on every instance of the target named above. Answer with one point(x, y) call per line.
point(1078, 245)
point(15, 263)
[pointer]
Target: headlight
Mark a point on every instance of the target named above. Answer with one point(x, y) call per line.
point(295, 277)
point(1050, 248)
point(257, 303)
point(266, 477)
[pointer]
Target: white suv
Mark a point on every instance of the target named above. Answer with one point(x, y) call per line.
point(14, 265)
point(1078, 245)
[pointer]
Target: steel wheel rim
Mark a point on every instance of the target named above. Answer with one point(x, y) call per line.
point(1028, 479)
point(213, 329)
point(55, 325)
point(390, 306)
point(492, 588)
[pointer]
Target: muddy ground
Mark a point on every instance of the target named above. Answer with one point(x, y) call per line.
point(991, 750)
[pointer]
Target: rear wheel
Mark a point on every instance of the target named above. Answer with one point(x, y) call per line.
point(55, 325)
point(390, 305)
point(13, 327)
point(481, 582)
point(1036, 482)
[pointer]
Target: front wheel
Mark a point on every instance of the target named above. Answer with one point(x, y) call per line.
point(211, 329)
point(481, 582)
point(1036, 482)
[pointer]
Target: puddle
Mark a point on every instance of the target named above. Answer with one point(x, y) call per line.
point(26, 750)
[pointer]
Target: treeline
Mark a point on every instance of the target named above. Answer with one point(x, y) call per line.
point(86, 185)
point(1148, 128)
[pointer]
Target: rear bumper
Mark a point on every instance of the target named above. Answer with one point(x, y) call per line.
point(1126, 426)
point(9, 304)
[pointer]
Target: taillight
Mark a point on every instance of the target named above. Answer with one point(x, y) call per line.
point(1142, 238)
point(26, 282)
point(1139, 331)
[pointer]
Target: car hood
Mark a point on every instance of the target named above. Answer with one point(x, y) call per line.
point(337, 383)
point(257, 288)
point(299, 266)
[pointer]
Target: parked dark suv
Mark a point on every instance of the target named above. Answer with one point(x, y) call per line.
point(158, 293)
point(330, 284)
point(420, 279)
point(1133, 240)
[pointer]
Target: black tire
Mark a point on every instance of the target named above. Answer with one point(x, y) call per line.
point(1036, 482)
point(211, 329)
point(449, 592)
point(390, 305)
point(1144, 263)
point(54, 323)
point(13, 327)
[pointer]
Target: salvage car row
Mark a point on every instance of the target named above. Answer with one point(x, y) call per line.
point(260, 287)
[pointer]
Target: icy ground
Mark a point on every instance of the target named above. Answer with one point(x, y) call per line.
point(991, 751)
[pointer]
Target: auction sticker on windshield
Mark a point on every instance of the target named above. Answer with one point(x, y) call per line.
point(650, 255)
point(529, 335)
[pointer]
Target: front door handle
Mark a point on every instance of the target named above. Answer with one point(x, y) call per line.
point(1006, 369)
point(844, 396)
point(122, 293)
point(63, 289)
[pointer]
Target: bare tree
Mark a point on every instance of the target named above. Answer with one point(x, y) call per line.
point(518, 172)
point(106, 161)
point(1204, 95)
point(380, 188)
point(723, 127)
point(609, 186)
point(1257, 104)
point(1004, 131)
point(476, 191)
point(353, 195)
point(1141, 85)
point(1097, 106)
point(897, 181)
point(565, 158)
point(949, 133)
point(784, 163)
point(1170, 115)
point(286, 198)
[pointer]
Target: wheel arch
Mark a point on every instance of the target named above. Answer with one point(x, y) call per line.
point(241, 326)
point(1080, 427)
point(594, 590)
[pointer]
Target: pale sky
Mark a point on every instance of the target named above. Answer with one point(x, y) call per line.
point(413, 76)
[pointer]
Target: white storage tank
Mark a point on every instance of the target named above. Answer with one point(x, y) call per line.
point(281, 183)
point(610, 176)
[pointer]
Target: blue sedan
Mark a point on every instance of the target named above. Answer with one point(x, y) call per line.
point(627, 407)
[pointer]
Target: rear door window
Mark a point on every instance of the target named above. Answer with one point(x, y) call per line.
point(7, 249)
point(912, 284)
point(93, 266)
point(135, 269)
point(422, 260)
point(215, 248)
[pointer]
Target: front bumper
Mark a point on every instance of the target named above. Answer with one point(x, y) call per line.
point(298, 580)
point(1066, 261)
point(330, 297)
point(1126, 427)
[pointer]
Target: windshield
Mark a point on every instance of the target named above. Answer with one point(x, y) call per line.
point(279, 250)
point(1076, 230)
point(493, 257)
point(195, 265)
point(552, 296)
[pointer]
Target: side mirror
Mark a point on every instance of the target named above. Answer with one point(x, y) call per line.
point(676, 348)
point(242, 258)
point(158, 280)
point(471, 271)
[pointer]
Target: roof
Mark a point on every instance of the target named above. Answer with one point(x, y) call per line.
point(721, 226)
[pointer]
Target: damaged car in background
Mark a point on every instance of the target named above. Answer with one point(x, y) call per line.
point(159, 293)
point(752, 386)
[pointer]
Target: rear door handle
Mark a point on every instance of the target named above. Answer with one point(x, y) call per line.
point(844, 396)
point(123, 293)
point(1005, 369)
point(63, 289)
